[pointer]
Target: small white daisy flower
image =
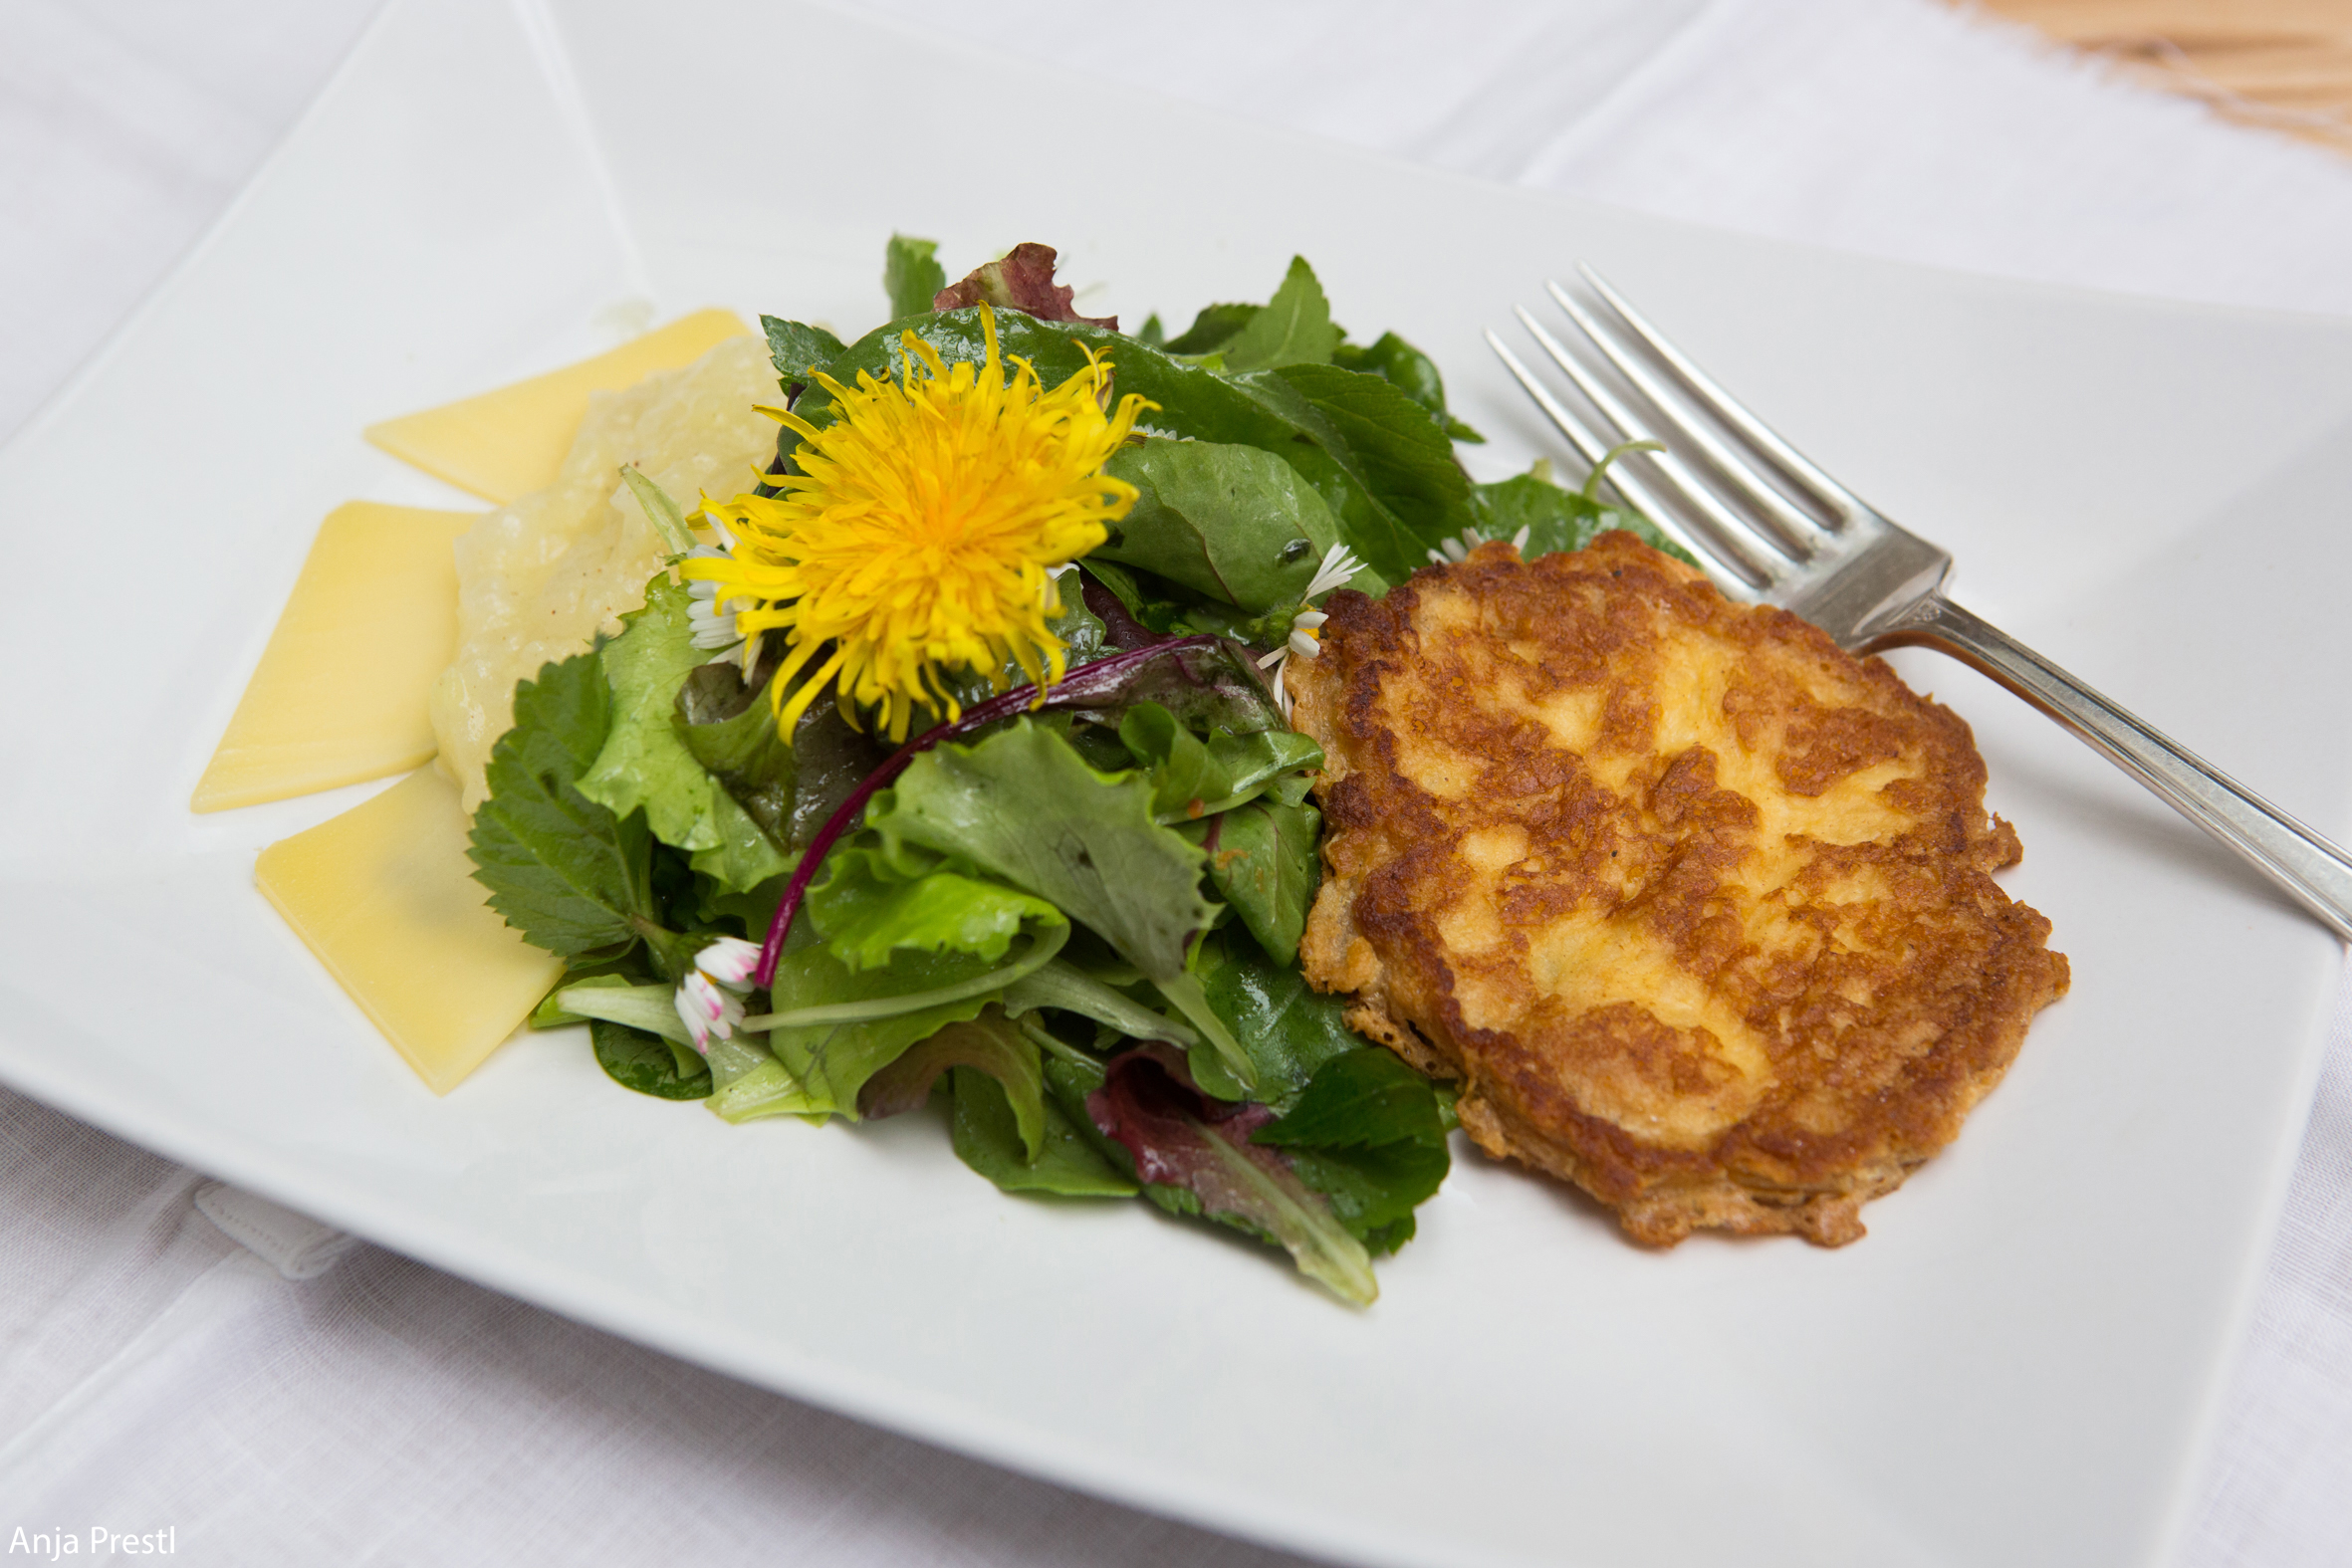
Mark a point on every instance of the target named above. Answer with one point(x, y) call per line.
point(1339, 568)
point(1453, 552)
point(710, 998)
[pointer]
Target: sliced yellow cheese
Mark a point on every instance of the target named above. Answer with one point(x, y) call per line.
point(506, 444)
point(385, 897)
point(342, 691)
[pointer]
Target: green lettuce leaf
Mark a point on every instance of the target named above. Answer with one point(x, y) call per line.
point(1557, 519)
point(1289, 1029)
point(796, 348)
point(1193, 777)
point(561, 868)
point(911, 275)
point(1261, 859)
point(990, 1043)
point(871, 904)
point(1411, 371)
point(1233, 522)
point(648, 1063)
point(987, 1138)
point(729, 727)
point(1083, 842)
point(1295, 328)
point(1068, 988)
point(1368, 1135)
point(646, 765)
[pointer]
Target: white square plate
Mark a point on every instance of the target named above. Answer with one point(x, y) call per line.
point(2014, 1368)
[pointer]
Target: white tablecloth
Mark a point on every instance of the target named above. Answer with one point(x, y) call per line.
point(177, 1356)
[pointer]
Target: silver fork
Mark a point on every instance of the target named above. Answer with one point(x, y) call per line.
point(1772, 529)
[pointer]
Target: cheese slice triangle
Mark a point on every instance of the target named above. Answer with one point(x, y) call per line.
point(385, 897)
point(339, 694)
point(503, 445)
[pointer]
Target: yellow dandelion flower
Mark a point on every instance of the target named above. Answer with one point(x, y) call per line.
point(920, 536)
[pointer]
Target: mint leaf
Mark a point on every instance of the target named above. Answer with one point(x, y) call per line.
point(646, 765)
point(1230, 521)
point(911, 277)
point(1293, 329)
point(561, 868)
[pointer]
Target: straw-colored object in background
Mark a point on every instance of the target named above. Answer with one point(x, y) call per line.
point(2281, 64)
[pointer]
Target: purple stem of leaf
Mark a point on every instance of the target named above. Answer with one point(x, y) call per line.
point(1076, 689)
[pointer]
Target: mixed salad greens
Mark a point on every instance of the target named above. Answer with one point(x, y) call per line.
point(1072, 915)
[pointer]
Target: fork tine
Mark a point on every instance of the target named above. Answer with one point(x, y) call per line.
point(1799, 468)
point(1798, 533)
point(1730, 536)
point(1730, 575)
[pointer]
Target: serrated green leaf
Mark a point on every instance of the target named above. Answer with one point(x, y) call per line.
point(796, 348)
point(561, 868)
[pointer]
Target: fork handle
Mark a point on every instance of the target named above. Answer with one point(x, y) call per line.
point(2314, 870)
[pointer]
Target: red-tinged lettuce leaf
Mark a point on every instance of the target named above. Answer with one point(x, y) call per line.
point(1370, 1136)
point(990, 1044)
point(1023, 281)
point(1194, 1155)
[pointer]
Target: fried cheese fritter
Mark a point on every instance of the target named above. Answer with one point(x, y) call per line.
point(1696, 906)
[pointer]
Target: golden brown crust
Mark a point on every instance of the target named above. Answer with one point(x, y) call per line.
point(1696, 906)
